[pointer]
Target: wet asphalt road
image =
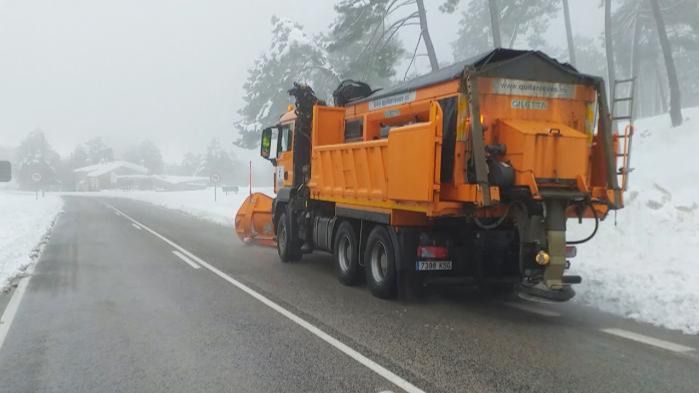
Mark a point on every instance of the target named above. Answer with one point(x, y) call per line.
point(111, 308)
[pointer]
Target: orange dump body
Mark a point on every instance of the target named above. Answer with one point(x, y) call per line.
point(388, 154)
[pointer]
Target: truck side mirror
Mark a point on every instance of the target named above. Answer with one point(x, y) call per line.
point(5, 171)
point(266, 144)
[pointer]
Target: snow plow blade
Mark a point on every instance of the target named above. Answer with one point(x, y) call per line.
point(253, 223)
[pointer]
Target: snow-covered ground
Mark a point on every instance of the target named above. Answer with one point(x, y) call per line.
point(198, 203)
point(647, 266)
point(23, 223)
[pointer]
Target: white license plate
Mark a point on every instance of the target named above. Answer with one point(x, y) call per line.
point(433, 265)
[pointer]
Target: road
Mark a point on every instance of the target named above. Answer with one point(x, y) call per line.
point(112, 307)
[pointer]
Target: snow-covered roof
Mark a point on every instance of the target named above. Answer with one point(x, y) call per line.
point(106, 167)
point(181, 179)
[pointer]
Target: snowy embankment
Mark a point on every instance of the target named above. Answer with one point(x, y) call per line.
point(199, 203)
point(24, 222)
point(647, 266)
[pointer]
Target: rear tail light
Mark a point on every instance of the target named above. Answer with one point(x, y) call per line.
point(432, 252)
point(571, 251)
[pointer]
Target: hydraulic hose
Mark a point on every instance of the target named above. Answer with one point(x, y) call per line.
point(494, 225)
point(594, 232)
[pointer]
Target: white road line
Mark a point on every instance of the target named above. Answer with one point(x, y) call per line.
point(11, 310)
point(187, 260)
point(670, 346)
point(533, 310)
point(370, 364)
point(136, 226)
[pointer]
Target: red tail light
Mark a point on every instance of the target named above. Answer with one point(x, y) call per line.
point(432, 252)
point(571, 251)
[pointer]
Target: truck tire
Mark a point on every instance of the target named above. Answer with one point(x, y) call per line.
point(346, 253)
point(380, 261)
point(286, 246)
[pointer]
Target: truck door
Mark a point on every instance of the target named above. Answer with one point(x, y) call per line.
point(277, 147)
point(284, 172)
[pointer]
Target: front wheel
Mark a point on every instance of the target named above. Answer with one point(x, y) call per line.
point(286, 248)
point(380, 259)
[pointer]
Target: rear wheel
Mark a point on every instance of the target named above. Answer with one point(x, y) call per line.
point(286, 248)
point(380, 259)
point(346, 252)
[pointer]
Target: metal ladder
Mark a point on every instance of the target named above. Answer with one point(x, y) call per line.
point(623, 154)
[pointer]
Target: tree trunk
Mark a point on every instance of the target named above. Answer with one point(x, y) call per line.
point(608, 46)
point(569, 33)
point(661, 89)
point(675, 104)
point(426, 36)
point(495, 23)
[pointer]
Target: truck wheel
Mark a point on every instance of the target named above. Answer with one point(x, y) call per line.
point(380, 259)
point(285, 241)
point(346, 252)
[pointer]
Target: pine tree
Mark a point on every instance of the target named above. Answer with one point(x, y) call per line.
point(35, 155)
point(637, 50)
point(98, 151)
point(146, 154)
point(522, 24)
point(292, 57)
point(217, 161)
point(363, 42)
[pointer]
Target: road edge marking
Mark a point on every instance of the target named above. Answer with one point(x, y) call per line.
point(342, 347)
point(135, 226)
point(655, 342)
point(8, 316)
point(185, 259)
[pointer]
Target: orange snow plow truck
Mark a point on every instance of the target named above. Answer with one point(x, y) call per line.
point(463, 176)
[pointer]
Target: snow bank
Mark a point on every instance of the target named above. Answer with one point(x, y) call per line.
point(23, 223)
point(199, 203)
point(647, 266)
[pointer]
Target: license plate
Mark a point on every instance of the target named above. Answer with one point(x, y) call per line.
point(433, 265)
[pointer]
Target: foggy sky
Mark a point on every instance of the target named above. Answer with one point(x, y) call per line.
point(167, 70)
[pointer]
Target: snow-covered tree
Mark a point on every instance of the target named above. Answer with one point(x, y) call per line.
point(190, 163)
point(522, 23)
point(98, 151)
point(363, 39)
point(35, 155)
point(638, 51)
point(146, 154)
point(292, 57)
point(219, 161)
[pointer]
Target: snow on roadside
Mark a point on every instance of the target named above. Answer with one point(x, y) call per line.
point(198, 203)
point(23, 223)
point(647, 266)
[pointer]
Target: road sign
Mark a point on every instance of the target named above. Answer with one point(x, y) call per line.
point(215, 178)
point(36, 177)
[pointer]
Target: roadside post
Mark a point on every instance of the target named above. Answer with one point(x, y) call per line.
point(215, 179)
